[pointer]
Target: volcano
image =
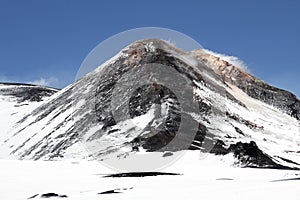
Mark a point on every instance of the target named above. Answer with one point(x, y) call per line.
point(101, 114)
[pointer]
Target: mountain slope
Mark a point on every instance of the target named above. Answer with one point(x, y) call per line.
point(254, 87)
point(17, 100)
point(235, 108)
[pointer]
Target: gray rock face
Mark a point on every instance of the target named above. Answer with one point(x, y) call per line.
point(278, 98)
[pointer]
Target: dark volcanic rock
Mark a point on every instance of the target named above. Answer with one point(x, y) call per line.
point(249, 155)
point(219, 148)
point(110, 192)
point(140, 103)
point(48, 195)
point(140, 174)
point(115, 191)
point(279, 98)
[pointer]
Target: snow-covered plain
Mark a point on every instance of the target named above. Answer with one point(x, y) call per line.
point(209, 178)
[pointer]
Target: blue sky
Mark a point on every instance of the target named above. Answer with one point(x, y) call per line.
point(46, 41)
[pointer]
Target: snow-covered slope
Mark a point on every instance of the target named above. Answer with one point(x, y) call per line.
point(233, 111)
point(17, 100)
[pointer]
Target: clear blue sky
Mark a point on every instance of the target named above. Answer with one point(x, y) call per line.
point(48, 40)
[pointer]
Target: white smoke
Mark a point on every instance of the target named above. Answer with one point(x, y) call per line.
point(52, 81)
point(231, 59)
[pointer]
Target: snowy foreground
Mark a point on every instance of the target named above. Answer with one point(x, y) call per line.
point(209, 178)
